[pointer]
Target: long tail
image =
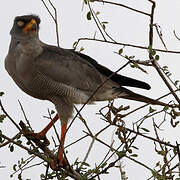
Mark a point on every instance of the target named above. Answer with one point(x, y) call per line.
point(141, 98)
point(137, 97)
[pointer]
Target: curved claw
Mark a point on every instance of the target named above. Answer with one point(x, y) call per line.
point(58, 163)
point(39, 137)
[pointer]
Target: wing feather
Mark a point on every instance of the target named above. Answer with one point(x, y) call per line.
point(69, 68)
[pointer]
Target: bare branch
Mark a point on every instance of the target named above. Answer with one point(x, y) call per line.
point(122, 5)
point(125, 44)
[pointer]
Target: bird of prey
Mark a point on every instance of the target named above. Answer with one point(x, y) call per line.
point(63, 76)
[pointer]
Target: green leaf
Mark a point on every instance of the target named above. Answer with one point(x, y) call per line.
point(103, 165)
point(134, 155)
point(129, 150)
point(1, 93)
point(135, 147)
point(36, 149)
point(121, 154)
point(1, 139)
point(85, 1)
point(153, 52)
point(151, 110)
point(52, 111)
point(157, 57)
point(89, 15)
point(131, 57)
point(2, 117)
point(19, 142)
point(85, 164)
point(42, 176)
point(136, 65)
point(161, 153)
point(127, 57)
point(18, 136)
point(75, 44)
point(120, 51)
point(165, 108)
point(176, 82)
point(81, 49)
point(11, 148)
point(104, 22)
point(97, 13)
point(144, 129)
point(103, 26)
point(14, 167)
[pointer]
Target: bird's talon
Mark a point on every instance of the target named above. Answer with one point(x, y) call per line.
point(39, 137)
point(56, 164)
point(53, 165)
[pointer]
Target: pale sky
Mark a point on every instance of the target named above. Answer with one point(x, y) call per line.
point(124, 26)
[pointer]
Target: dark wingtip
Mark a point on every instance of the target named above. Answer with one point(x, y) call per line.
point(127, 81)
point(147, 86)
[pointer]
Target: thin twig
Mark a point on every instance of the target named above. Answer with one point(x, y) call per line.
point(140, 163)
point(122, 5)
point(102, 27)
point(56, 22)
point(176, 35)
point(160, 35)
point(155, 63)
point(99, 28)
point(88, 152)
point(125, 44)
point(75, 141)
point(148, 137)
point(24, 114)
point(7, 142)
point(83, 120)
point(54, 18)
point(91, 96)
point(25, 148)
point(4, 111)
point(48, 10)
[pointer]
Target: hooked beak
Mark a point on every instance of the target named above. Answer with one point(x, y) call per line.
point(31, 26)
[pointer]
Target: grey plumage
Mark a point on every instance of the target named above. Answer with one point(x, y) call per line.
point(62, 76)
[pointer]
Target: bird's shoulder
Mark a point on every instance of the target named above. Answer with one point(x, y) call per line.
point(68, 67)
point(70, 56)
point(62, 55)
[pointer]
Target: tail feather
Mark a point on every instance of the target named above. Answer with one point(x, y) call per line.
point(127, 94)
point(141, 98)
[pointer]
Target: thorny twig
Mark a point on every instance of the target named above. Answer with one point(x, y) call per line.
point(155, 63)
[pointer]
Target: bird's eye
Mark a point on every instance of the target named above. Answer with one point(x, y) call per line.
point(20, 23)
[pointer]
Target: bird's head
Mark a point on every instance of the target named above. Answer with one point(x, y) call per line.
point(26, 26)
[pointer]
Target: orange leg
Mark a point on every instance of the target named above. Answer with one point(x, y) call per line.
point(60, 159)
point(42, 135)
point(60, 152)
point(46, 129)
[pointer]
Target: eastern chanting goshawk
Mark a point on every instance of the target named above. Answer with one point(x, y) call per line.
point(63, 76)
